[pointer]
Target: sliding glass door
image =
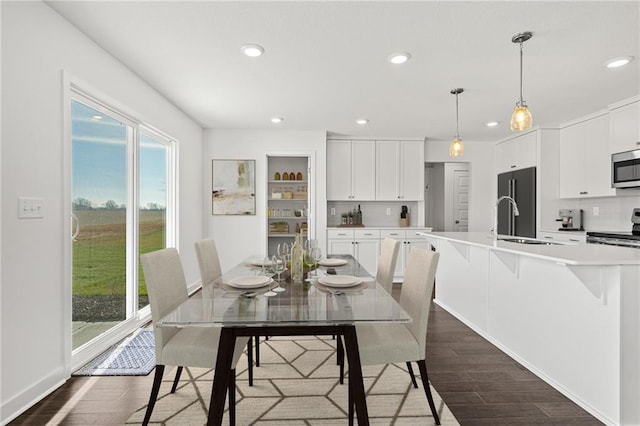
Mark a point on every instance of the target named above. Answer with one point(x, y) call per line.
point(121, 203)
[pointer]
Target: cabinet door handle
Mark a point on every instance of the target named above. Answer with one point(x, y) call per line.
point(513, 166)
point(638, 143)
point(548, 237)
point(584, 192)
point(393, 233)
point(573, 239)
point(457, 221)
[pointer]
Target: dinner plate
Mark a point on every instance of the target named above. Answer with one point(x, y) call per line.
point(249, 281)
point(339, 281)
point(332, 262)
point(260, 262)
point(327, 289)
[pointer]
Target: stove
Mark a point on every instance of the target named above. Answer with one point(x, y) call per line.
point(623, 239)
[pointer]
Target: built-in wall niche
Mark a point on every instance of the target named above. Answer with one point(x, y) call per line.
point(374, 213)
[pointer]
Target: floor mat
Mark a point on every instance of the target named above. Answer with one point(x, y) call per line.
point(134, 356)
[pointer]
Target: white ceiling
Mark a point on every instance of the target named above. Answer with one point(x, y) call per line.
point(326, 62)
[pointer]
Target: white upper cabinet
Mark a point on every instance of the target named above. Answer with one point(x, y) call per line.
point(399, 170)
point(585, 163)
point(351, 170)
point(517, 153)
point(625, 128)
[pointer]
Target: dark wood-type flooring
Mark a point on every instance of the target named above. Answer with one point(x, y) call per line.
point(480, 384)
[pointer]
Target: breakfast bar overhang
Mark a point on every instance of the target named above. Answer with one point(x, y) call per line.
point(570, 313)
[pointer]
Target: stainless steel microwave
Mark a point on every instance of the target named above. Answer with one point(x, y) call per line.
point(625, 169)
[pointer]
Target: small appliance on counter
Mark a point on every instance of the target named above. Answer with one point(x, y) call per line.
point(623, 239)
point(404, 217)
point(571, 220)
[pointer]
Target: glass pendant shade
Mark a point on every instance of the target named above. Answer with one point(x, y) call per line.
point(521, 118)
point(457, 148)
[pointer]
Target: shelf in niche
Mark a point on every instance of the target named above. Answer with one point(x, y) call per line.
point(288, 199)
point(282, 235)
point(287, 182)
point(287, 217)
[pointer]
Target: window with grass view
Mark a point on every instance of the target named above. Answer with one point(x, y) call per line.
point(120, 199)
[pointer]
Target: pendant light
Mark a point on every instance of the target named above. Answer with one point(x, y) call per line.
point(521, 118)
point(456, 149)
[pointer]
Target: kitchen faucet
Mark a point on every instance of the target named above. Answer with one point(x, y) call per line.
point(516, 212)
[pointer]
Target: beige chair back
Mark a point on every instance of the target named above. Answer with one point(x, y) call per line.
point(167, 288)
point(208, 261)
point(387, 263)
point(416, 290)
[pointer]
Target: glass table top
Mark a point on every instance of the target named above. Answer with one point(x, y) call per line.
point(299, 304)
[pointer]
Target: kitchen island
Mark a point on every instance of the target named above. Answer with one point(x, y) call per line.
point(569, 313)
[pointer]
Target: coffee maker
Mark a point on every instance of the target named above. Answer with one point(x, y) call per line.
point(570, 219)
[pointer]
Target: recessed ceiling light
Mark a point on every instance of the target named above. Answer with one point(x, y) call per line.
point(399, 57)
point(97, 117)
point(492, 124)
point(252, 50)
point(618, 62)
point(277, 120)
point(362, 121)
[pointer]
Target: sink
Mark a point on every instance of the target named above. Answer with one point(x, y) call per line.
point(527, 241)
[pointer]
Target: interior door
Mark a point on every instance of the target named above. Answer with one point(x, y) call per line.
point(461, 200)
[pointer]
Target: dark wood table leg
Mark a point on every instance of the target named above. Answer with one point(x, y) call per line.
point(221, 376)
point(356, 382)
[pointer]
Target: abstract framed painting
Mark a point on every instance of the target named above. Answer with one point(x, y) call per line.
point(233, 189)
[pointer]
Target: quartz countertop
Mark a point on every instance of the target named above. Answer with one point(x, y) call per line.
point(570, 254)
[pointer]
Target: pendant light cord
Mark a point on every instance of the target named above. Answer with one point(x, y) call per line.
point(521, 101)
point(457, 131)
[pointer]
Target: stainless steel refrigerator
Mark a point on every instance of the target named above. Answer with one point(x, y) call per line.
point(521, 186)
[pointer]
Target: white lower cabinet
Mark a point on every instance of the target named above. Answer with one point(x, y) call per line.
point(408, 239)
point(363, 245)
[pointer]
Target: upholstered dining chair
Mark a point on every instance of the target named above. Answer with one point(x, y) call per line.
point(210, 270)
point(387, 263)
point(384, 276)
point(393, 342)
point(181, 347)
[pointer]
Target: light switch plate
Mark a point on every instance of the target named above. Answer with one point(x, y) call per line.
point(30, 208)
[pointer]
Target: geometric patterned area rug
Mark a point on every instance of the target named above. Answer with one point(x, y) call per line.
point(134, 356)
point(297, 383)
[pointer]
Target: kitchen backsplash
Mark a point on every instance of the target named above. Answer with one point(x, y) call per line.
point(374, 213)
point(614, 213)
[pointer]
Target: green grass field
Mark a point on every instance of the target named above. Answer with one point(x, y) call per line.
point(99, 251)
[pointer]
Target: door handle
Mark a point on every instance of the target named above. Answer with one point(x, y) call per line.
point(457, 221)
point(74, 219)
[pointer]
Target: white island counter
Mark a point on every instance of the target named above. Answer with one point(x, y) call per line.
point(569, 313)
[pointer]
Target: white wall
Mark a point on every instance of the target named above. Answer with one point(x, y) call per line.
point(238, 237)
point(480, 156)
point(37, 45)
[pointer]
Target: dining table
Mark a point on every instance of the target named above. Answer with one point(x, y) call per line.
point(332, 303)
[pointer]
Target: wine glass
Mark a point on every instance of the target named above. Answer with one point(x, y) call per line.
point(316, 256)
point(267, 267)
point(278, 265)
